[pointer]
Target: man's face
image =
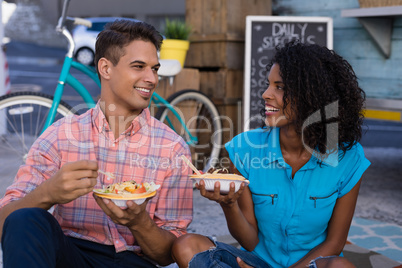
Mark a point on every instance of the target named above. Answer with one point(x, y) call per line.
point(133, 80)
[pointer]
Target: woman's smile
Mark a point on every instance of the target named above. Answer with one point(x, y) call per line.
point(270, 110)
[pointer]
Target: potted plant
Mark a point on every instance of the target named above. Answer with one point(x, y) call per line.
point(176, 44)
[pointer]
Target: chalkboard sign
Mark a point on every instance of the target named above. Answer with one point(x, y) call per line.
point(263, 34)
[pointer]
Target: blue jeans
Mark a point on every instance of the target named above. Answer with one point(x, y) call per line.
point(33, 237)
point(223, 255)
point(313, 263)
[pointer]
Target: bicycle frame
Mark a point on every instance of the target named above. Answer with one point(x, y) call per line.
point(159, 101)
point(66, 78)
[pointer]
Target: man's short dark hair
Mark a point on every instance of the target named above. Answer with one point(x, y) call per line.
point(111, 41)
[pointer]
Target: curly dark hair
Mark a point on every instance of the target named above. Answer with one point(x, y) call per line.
point(316, 78)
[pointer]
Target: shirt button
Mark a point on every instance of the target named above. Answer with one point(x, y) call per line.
point(117, 241)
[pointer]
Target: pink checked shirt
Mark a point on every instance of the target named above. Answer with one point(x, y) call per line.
point(147, 151)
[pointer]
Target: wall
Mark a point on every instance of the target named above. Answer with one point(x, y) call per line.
point(152, 11)
point(378, 76)
point(35, 20)
point(28, 23)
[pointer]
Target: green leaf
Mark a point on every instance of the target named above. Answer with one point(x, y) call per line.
point(177, 29)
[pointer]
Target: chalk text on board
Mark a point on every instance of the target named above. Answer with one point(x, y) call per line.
point(286, 32)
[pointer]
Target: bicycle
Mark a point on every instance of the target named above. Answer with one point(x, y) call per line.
point(189, 112)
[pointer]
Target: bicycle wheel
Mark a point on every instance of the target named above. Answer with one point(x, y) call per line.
point(22, 116)
point(202, 119)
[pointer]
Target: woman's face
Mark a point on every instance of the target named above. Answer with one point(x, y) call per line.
point(275, 115)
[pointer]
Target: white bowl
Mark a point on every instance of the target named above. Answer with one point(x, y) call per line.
point(224, 180)
point(121, 200)
point(122, 203)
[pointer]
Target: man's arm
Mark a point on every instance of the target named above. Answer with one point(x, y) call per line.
point(70, 182)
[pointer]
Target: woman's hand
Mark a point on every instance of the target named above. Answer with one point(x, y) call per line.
point(227, 200)
point(242, 264)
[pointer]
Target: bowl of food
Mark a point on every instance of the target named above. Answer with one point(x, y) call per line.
point(121, 192)
point(223, 177)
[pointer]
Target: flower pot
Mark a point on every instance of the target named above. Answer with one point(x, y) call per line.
point(175, 49)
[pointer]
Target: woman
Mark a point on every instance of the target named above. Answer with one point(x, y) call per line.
point(304, 167)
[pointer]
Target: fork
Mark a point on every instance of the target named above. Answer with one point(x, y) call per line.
point(110, 175)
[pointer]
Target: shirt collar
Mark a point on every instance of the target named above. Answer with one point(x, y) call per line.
point(102, 125)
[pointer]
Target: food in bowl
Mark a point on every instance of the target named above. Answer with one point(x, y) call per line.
point(121, 192)
point(224, 178)
point(130, 187)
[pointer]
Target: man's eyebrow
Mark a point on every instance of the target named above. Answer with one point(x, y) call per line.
point(143, 62)
point(137, 61)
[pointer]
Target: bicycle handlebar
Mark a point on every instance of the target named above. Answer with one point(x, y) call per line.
point(62, 29)
point(62, 19)
point(81, 21)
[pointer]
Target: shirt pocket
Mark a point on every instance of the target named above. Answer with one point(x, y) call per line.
point(311, 221)
point(265, 199)
point(266, 209)
point(320, 200)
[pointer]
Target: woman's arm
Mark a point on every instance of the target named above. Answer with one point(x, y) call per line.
point(338, 228)
point(239, 211)
point(241, 221)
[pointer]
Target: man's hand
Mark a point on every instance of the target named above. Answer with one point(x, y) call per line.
point(73, 180)
point(131, 216)
point(154, 241)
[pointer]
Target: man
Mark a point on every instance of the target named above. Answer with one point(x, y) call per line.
point(117, 136)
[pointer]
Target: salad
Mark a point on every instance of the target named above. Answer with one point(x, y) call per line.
point(130, 187)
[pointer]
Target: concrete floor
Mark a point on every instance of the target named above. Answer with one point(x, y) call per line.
point(380, 196)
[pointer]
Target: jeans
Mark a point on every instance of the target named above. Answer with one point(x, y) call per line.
point(33, 237)
point(313, 264)
point(223, 255)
